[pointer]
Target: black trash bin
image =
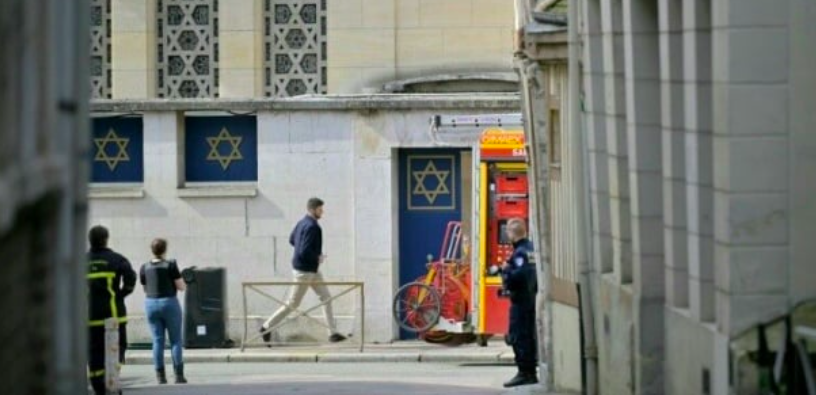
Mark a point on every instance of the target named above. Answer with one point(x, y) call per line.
point(205, 308)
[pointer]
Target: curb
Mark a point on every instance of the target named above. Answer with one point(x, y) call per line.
point(238, 357)
point(273, 358)
point(362, 357)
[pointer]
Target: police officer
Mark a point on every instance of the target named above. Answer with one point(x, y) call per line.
point(520, 284)
point(110, 279)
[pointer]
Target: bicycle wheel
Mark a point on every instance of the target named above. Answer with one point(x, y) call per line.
point(416, 307)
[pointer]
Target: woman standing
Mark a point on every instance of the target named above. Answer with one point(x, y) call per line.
point(162, 280)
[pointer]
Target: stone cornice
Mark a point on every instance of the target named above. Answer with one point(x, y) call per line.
point(317, 103)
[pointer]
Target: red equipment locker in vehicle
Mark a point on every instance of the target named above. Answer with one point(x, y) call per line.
point(504, 194)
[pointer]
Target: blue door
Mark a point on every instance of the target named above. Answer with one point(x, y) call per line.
point(430, 195)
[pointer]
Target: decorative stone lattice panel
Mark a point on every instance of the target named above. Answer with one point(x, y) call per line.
point(187, 48)
point(100, 49)
point(294, 47)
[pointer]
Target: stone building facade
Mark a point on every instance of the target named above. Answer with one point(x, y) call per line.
point(43, 196)
point(280, 48)
point(314, 96)
point(350, 151)
point(699, 155)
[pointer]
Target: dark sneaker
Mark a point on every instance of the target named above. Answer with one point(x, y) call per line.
point(266, 335)
point(521, 379)
point(336, 337)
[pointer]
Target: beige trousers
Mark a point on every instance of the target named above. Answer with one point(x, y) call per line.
point(296, 294)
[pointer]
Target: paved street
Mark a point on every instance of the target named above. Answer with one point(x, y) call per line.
point(329, 378)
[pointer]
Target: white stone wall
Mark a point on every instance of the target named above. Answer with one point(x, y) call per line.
point(566, 328)
point(345, 157)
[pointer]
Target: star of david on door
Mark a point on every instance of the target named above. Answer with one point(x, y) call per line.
point(431, 182)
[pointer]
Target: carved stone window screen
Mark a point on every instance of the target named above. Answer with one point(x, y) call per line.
point(101, 49)
point(187, 50)
point(294, 47)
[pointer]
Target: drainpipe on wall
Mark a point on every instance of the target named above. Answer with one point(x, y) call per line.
point(533, 89)
point(523, 14)
point(579, 153)
point(532, 84)
point(532, 80)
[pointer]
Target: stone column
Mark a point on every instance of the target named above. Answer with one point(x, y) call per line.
point(240, 38)
point(643, 132)
point(612, 25)
point(163, 134)
point(375, 237)
point(699, 161)
point(751, 166)
point(133, 49)
point(594, 107)
point(675, 233)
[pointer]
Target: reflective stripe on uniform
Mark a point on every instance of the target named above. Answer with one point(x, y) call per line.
point(96, 373)
point(108, 277)
point(114, 310)
point(121, 320)
point(96, 275)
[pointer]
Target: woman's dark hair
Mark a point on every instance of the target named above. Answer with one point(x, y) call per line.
point(159, 247)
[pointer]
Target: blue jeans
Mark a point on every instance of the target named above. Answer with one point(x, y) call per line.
point(164, 314)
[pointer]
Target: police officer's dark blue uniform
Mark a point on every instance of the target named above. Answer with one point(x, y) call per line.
point(519, 280)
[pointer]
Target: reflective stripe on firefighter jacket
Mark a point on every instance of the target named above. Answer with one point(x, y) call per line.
point(110, 279)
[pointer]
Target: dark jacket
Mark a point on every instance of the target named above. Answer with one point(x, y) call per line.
point(307, 238)
point(110, 279)
point(520, 277)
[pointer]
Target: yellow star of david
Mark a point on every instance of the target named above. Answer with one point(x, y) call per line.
point(121, 154)
point(441, 185)
point(235, 153)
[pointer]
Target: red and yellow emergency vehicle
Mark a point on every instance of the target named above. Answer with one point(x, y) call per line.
point(460, 292)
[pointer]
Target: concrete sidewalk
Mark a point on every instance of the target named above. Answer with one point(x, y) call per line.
point(407, 351)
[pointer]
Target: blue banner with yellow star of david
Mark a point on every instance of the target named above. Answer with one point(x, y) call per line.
point(117, 150)
point(221, 149)
point(431, 182)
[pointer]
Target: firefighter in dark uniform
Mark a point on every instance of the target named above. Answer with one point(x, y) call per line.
point(110, 279)
point(519, 283)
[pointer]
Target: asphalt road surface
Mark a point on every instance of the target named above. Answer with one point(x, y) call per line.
point(323, 378)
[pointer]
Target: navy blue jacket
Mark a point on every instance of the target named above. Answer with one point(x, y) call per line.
point(307, 238)
point(520, 277)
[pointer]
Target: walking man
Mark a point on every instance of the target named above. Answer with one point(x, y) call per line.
point(307, 238)
point(110, 280)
